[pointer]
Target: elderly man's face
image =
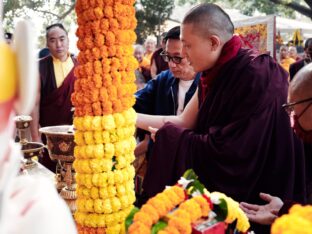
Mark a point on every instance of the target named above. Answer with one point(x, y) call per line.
point(138, 54)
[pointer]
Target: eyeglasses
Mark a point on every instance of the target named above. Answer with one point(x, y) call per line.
point(289, 107)
point(167, 58)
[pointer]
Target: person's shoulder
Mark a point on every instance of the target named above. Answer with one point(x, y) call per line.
point(45, 59)
point(165, 75)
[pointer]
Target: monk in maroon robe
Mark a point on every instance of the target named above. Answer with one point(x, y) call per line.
point(56, 86)
point(234, 133)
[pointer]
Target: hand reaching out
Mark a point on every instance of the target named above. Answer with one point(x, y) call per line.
point(153, 132)
point(263, 214)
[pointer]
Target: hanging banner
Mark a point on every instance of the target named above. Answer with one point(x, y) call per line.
point(257, 33)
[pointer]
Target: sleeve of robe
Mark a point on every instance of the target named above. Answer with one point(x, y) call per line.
point(243, 143)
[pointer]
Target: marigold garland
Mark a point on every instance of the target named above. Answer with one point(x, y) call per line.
point(104, 119)
point(299, 220)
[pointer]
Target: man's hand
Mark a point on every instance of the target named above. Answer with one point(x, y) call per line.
point(153, 132)
point(263, 214)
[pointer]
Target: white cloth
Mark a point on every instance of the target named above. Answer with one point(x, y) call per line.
point(30, 205)
point(184, 86)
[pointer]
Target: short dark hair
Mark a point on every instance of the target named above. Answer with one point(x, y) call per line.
point(307, 43)
point(59, 25)
point(173, 33)
point(209, 18)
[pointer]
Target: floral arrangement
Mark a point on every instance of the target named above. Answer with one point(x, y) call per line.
point(299, 220)
point(104, 119)
point(178, 208)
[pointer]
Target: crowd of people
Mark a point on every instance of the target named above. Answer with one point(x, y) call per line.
point(240, 119)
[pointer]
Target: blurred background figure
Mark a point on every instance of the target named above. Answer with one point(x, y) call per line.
point(150, 47)
point(293, 53)
point(144, 63)
point(8, 37)
point(157, 63)
point(285, 60)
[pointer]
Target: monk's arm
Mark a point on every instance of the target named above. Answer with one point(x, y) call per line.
point(186, 120)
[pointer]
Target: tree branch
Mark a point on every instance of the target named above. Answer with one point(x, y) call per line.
point(46, 12)
point(295, 6)
point(72, 7)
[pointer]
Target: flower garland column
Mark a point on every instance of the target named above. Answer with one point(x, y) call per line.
point(104, 118)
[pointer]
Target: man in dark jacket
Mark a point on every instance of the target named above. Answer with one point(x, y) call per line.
point(172, 89)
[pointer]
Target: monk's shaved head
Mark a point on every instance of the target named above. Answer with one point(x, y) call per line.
point(301, 85)
point(210, 19)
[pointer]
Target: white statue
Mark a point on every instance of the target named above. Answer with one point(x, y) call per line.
point(28, 205)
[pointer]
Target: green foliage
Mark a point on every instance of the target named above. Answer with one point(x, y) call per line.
point(158, 226)
point(284, 8)
point(129, 219)
point(151, 14)
point(220, 210)
point(49, 11)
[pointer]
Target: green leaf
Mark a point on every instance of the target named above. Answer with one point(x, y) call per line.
point(221, 210)
point(129, 219)
point(190, 175)
point(159, 226)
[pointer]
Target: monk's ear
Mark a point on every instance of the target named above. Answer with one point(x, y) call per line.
point(215, 42)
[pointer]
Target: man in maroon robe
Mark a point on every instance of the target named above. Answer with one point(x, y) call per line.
point(234, 133)
point(57, 84)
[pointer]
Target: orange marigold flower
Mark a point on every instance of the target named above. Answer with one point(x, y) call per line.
point(103, 52)
point(97, 65)
point(88, 42)
point(88, 55)
point(111, 51)
point(107, 80)
point(80, 32)
point(113, 24)
point(106, 65)
point(80, 45)
point(129, 50)
point(95, 93)
point(110, 38)
point(80, 21)
point(108, 12)
point(104, 25)
point(109, 2)
point(117, 106)
point(138, 228)
point(97, 79)
point(88, 69)
point(99, 40)
point(143, 218)
point(128, 2)
point(99, 3)
point(97, 109)
point(116, 78)
point(158, 205)
point(95, 26)
point(96, 53)
point(81, 59)
point(181, 224)
point(112, 92)
point(103, 95)
point(98, 12)
point(133, 23)
point(119, 51)
point(204, 206)
point(107, 108)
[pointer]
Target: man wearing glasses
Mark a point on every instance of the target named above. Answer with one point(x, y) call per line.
point(234, 132)
point(299, 109)
point(172, 89)
point(56, 86)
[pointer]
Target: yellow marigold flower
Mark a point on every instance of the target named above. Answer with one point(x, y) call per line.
point(98, 151)
point(97, 135)
point(96, 123)
point(108, 122)
point(80, 204)
point(113, 136)
point(88, 181)
point(98, 206)
point(87, 122)
point(110, 178)
point(116, 205)
point(80, 217)
point(78, 123)
point(106, 137)
point(111, 191)
point(79, 140)
point(118, 177)
point(242, 222)
point(111, 220)
point(109, 150)
point(89, 151)
point(125, 202)
point(89, 205)
point(88, 137)
point(107, 206)
point(114, 229)
point(94, 193)
point(121, 189)
point(103, 179)
point(103, 193)
point(121, 162)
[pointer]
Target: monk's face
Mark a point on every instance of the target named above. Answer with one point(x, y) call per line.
point(58, 43)
point(283, 52)
point(138, 54)
point(305, 108)
point(198, 49)
point(178, 64)
point(308, 53)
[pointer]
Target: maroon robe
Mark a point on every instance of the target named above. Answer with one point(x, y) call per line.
point(161, 65)
point(55, 103)
point(242, 143)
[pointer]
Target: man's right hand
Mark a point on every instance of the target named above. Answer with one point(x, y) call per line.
point(263, 214)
